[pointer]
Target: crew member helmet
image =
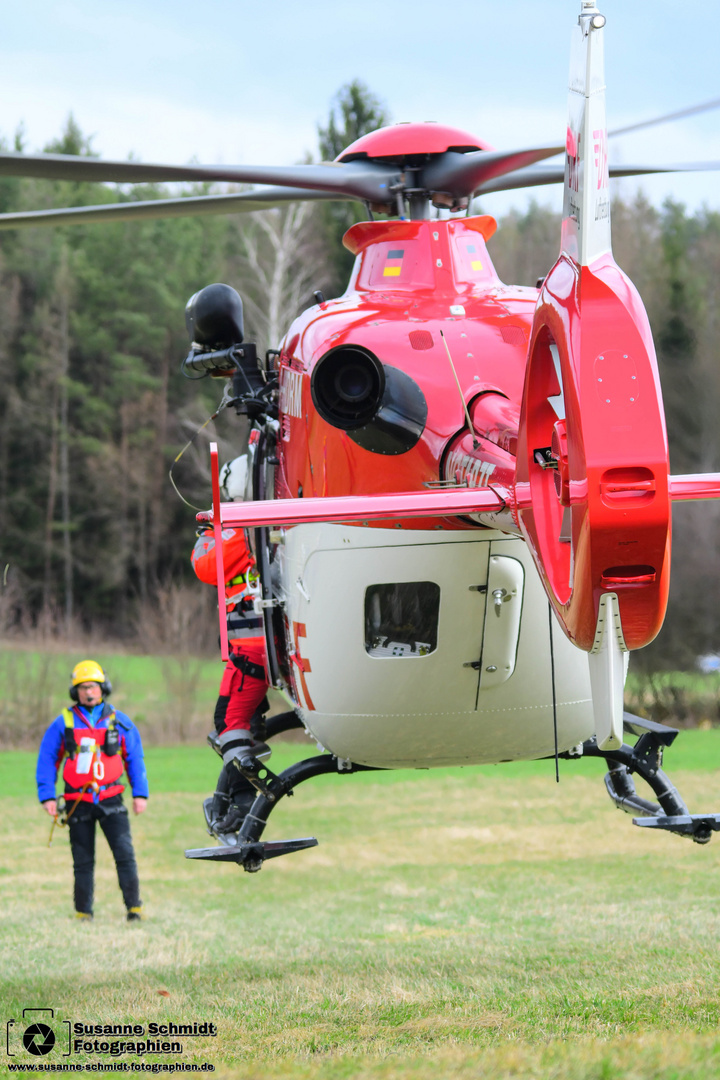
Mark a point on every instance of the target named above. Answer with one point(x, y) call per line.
point(89, 671)
point(234, 478)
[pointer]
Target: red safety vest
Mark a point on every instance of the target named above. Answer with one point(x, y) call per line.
point(242, 622)
point(104, 770)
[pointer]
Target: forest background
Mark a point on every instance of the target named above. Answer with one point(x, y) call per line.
point(94, 541)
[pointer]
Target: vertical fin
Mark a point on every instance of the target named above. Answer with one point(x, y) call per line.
point(607, 674)
point(586, 204)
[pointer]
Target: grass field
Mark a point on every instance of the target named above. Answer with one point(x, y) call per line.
point(482, 922)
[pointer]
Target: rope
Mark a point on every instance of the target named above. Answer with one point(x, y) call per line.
point(226, 399)
point(57, 820)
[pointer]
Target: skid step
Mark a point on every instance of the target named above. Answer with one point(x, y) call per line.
point(251, 855)
point(698, 826)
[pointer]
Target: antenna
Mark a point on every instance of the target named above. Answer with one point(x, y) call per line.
point(471, 429)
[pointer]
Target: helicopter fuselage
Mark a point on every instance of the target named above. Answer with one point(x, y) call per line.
point(422, 641)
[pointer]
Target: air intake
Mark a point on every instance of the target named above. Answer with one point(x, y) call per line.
point(421, 339)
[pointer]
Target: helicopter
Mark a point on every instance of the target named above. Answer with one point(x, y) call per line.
point(459, 498)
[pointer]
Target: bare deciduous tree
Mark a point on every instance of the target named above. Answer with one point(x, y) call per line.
point(281, 262)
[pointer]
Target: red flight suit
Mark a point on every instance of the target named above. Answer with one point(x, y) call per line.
point(244, 682)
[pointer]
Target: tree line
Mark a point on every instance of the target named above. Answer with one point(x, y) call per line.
point(94, 410)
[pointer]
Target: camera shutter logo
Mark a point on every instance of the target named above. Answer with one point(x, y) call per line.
point(38, 1039)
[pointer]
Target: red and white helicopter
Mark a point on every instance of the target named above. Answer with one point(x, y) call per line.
point(461, 498)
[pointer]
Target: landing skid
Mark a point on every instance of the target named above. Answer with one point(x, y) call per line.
point(248, 855)
point(669, 813)
point(245, 847)
point(698, 826)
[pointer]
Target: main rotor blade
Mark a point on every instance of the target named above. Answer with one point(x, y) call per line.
point(461, 174)
point(679, 115)
point(263, 198)
point(542, 174)
point(360, 179)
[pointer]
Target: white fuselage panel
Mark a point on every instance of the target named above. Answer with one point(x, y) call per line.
point(427, 648)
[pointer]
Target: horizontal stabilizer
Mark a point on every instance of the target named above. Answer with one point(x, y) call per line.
point(640, 725)
point(408, 504)
point(695, 486)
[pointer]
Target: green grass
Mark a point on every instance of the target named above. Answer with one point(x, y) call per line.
point(482, 922)
point(136, 678)
point(195, 768)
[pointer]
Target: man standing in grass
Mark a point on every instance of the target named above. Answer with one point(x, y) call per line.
point(98, 744)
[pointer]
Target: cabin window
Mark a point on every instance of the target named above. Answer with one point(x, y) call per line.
point(398, 264)
point(471, 261)
point(401, 619)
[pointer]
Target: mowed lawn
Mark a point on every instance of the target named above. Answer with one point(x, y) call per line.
point(480, 922)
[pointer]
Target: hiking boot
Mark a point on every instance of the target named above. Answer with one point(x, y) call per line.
point(236, 814)
point(134, 914)
point(215, 807)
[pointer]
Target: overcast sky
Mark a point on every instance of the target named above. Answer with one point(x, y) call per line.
point(234, 81)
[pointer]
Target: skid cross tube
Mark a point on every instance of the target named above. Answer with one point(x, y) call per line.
point(281, 722)
point(256, 819)
point(624, 760)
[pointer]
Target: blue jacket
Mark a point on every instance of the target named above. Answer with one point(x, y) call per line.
point(52, 750)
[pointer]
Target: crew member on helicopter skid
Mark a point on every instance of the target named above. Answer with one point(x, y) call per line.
point(98, 743)
point(242, 701)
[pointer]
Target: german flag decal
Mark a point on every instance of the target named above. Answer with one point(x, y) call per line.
point(393, 262)
point(475, 263)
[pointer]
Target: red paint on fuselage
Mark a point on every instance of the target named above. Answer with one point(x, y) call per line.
point(443, 281)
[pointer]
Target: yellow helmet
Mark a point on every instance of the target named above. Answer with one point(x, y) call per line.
point(88, 671)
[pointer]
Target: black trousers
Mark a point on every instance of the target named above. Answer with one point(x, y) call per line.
point(114, 821)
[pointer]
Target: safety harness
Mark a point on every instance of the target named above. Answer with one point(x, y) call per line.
point(246, 581)
point(248, 668)
point(98, 769)
point(104, 767)
point(242, 621)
